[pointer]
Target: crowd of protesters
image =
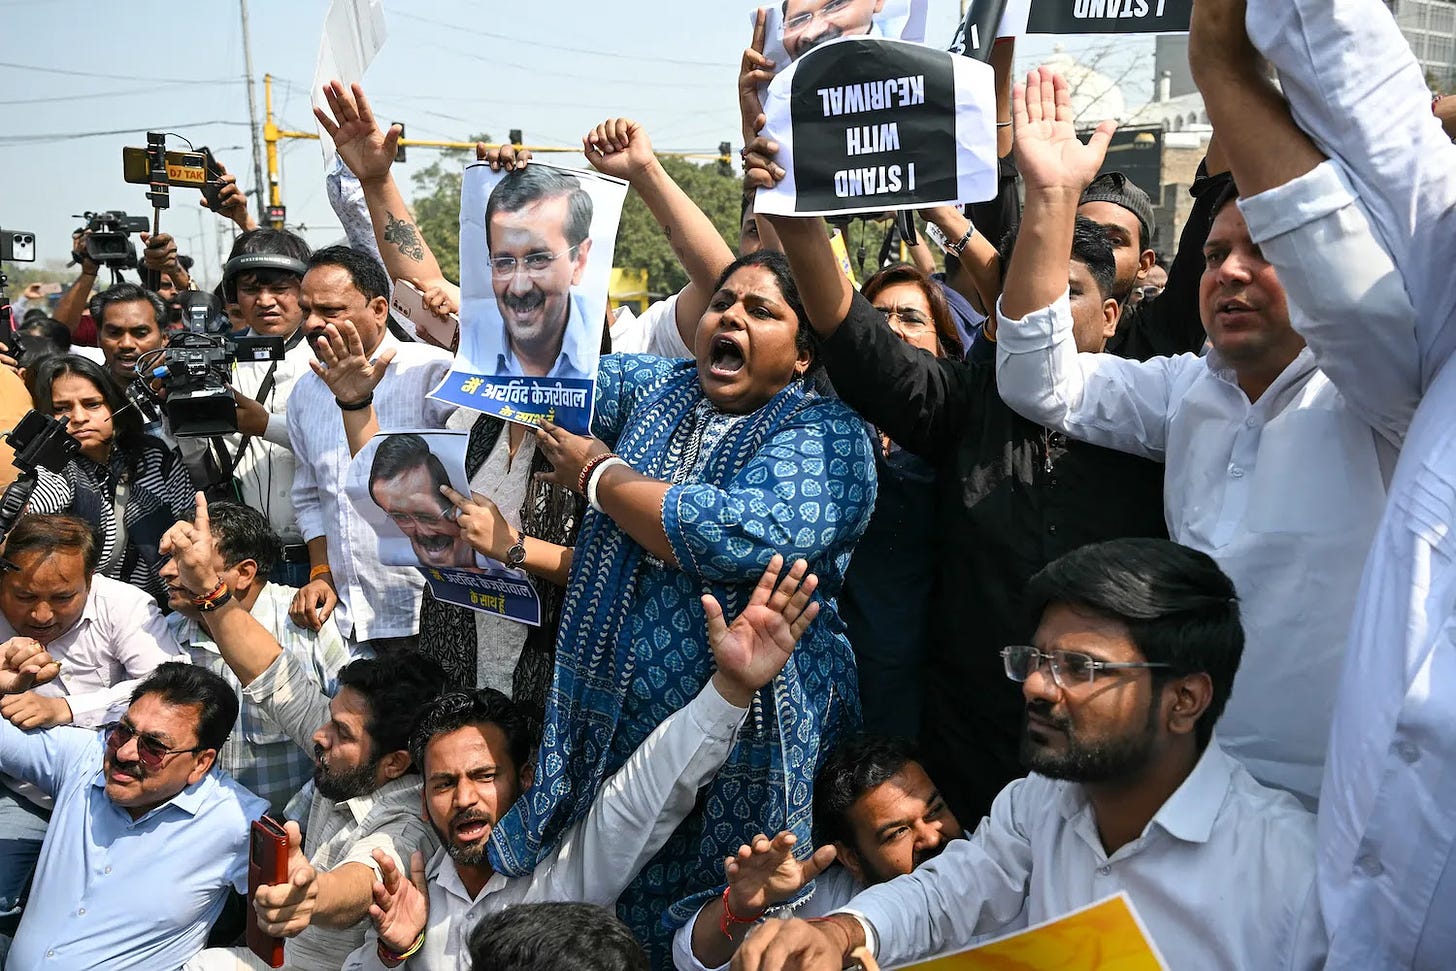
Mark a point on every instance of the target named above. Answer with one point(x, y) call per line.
point(876, 621)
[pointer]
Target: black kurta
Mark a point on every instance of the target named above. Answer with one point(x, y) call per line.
point(1010, 497)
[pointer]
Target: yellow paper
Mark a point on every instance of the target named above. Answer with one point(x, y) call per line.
point(1105, 936)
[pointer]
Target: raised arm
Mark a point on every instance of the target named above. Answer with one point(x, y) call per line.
point(639, 807)
point(73, 302)
point(1056, 167)
point(369, 154)
point(1355, 86)
point(1345, 295)
point(620, 147)
point(246, 645)
point(1038, 370)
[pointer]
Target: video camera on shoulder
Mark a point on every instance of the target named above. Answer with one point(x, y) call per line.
point(193, 369)
point(110, 241)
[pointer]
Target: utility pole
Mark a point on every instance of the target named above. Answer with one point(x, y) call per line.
point(253, 114)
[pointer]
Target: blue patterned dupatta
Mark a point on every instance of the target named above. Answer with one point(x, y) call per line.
point(795, 477)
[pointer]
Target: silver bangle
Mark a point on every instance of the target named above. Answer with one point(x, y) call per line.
point(596, 477)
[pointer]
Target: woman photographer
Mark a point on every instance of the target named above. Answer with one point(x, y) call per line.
point(130, 485)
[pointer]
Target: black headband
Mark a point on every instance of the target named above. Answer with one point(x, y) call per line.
point(257, 262)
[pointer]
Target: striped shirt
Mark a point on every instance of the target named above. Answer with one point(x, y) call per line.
point(259, 753)
point(158, 489)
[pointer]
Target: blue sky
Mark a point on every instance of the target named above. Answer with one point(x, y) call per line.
point(552, 68)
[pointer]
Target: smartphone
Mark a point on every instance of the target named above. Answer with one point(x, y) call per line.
point(212, 188)
point(267, 864)
point(409, 301)
point(183, 168)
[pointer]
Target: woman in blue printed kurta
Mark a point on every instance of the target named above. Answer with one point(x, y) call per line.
point(729, 459)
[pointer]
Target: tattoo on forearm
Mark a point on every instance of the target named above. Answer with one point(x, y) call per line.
point(404, 236)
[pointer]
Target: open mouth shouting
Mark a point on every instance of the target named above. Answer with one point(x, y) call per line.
point(726, 357)
point(470, 826)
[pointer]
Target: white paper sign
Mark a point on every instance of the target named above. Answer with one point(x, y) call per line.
point(868, 125)
point(353, 33)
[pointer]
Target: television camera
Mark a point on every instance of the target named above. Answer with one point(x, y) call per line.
point(187, 380)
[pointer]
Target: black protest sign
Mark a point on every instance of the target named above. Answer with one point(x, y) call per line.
point(874, 126)
point(1109, 16)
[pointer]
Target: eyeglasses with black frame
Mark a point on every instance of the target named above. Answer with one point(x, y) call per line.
point(151, 751)
point(1070, 669)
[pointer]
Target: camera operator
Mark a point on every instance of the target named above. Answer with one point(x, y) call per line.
point(160, 254)
point(262, 278)
point(130, 321)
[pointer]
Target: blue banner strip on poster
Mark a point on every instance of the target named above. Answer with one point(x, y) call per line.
point(529, 401)
point(503, 595)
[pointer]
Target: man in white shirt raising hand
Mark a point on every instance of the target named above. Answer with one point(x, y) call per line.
point(1269, 469)
point(474, 750)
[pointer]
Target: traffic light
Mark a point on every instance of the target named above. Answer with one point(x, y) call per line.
point(515, 136)
point(276, 216)
point(725, 159)
point(399, 149)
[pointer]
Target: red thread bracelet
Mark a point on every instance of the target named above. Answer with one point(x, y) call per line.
point(728, 917)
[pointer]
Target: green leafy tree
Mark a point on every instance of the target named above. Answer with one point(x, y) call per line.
point(640, 243)
point(437, 205)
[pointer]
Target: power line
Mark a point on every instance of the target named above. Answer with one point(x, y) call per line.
point(435, 47)
point(111, 77)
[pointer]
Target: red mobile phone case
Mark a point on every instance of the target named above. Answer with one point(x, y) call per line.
point(267, 864)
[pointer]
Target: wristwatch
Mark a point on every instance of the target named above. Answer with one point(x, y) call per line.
point(516, 555)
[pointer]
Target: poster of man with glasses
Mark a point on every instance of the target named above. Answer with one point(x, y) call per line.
point(535, 261)
point(394, 483)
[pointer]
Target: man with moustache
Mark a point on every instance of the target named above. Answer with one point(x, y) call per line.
point(475, 749)
point(146, 841)
point(108, 635)
point(1130, 667)
point(537, 231)
point(877, 816)
point(1269, 469)
point(344, 299)
point(366, 790)
point(263, 278)
point(809, 23)
point(130, 321)
point(405, 481)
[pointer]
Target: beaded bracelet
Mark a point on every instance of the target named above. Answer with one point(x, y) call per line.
point(596, 477)
point(588, 469)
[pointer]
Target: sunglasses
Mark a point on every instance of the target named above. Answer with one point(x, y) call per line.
point(151, 752)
